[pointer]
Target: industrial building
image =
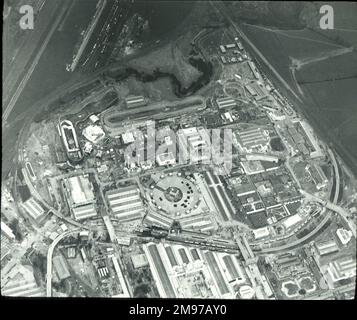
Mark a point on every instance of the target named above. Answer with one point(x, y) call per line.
point(93, 133)
point(184, 272)
point(33, 208)
point(317, 175)
point(158, 219)
point(155, 258)
point(252, 139)
point(80, 197)
point(135, 101)
point(61, 267)
point(326, 247)
point(125, 203)
point(84, 212)
point(139, 260)
point(251, 91)
point(254, 69)
point(198, 222)
point(21, 284)
point(220, 197)
point(217, 273)
point(291, 221)
point(5, 229)
point(226, 102)
point(261, 233)
point(343, 268)
point(79, 190)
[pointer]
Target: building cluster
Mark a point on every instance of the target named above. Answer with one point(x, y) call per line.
point(233, 52)
point(187, 272)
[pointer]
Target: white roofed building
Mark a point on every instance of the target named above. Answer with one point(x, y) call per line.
point(125, 203)
point(344, 235)
point(33, 208)
point(93, 133)
point(343, 268)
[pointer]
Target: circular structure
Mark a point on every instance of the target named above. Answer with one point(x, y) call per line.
point(246, 292)
point(174, 194)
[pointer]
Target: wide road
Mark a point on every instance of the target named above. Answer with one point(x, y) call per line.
point(49, 259)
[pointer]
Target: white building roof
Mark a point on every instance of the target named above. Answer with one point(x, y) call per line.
point(344, 235)
point(93, 133)
point(289, 222)
point(261, 233)
point(7, 231)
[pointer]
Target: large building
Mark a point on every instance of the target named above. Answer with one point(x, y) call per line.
point(219, 196)
point(318, 176)
point(158, 219)
point(80, 197)
point(186, 272)
point(326, 247)
point(7, 231)
point(21, 283)
point(253, 139)
point(254, 69)
point(125, 203)
point(33, 208)
point(226, 102)
point(80, 191)
point(93, 133)
point(135, 101)
point(343, 268)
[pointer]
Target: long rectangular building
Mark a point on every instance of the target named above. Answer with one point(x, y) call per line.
point(226, 102)
point(22, 288)
point(135, 101)
point(79, 191)
point(327, 247)
point(197, 222)
point(216, 273)
point(157, 219)
point(157, 266)
point(342, 268)
point(33, 208)
point(253, 137)
point(84, 212)
point(125, 203)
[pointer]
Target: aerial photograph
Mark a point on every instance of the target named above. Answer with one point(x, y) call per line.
point(179, 149)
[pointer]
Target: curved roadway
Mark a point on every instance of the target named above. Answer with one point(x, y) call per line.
point(49, 259)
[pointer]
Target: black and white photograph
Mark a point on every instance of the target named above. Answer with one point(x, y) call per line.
point(193, 152)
